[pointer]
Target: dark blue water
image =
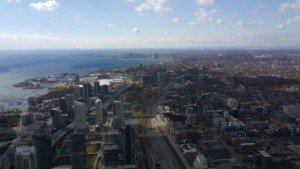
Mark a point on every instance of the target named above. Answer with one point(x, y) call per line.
point(16, 66)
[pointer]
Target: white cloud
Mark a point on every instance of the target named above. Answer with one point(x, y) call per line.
point(242, 24)
point(45, 6)
point(287, 6)
point(224, 29)
point(205, 2)
point(202, 15)
point(262, 23)
point(13, 0)
point(76, 16)
point(259, 7)
point(176, 20)
point(106, 24)
point(131, 0)
point(220, 21)
point(213, 11)
point(135, 30)
point(158, 6)
point(281, 27)
point(294, 20)
point(193, 23)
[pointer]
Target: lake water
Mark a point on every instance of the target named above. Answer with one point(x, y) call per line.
point(16, 66)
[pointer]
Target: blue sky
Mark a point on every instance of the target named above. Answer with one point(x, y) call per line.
point(42, 24)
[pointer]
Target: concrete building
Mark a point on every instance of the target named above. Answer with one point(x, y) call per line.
point(99, 113)
point(87, 90)
point(77, 79)
point(97, 87)
point(42, 142)
point(56, 117)
point(27, 119)
point(119, 111)
point(25, 158)
point(32, 104)
point(79, 116)
point(63, 106)
point(129, 146)
point(127, 106)
point(104, 89)
point(200, 162)
point(78, 151)
point(110, 155)
point(77, 92)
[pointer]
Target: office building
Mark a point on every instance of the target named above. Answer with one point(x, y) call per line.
point(118, 109)
point(97, 87)
point(79, 116)
point(127, 106)
point(104, 89)
point(115, 137)
point(117, 123)
point(129, 146)
point(70, 100)
point(77, 92)
point(27, 119)
point(78, 151)
point(87, 90)
point(77, 79)
point(128, 115)
point(110, 155)
point(56, 116)
point(99, 113)
point(63, 106)
point(25, 158)
point(42, 142)
point(32, 104)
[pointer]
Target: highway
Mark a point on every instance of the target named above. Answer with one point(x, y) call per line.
point(157, 150)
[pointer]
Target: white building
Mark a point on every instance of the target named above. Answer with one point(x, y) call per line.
point(292, 110)
point(25, 158)
point(200, 162)
point(79, 116)
point(99, 113)
point(233, 103)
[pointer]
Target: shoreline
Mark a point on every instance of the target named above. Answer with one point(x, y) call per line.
point(20, 103)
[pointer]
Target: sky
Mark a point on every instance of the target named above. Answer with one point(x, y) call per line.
point(81, 24)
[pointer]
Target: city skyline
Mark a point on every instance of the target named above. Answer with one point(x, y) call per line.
point(62, 24)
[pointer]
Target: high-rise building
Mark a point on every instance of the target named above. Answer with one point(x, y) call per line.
point(70, 100)
point(118, 120)
point(110, 155)
point(77, 92)
point(32, 104)
point(25, 158)
point(42, 142)
point(63, 106)
point(128, 115)
point(104, 89)
point(96, 87)
point(118, 108)
point(56, 118)
point(99, 113)
point(77, 79)
point(127, 106)
point(129, 146)
point(78, 151)
point(117, 123)
point(79, 116)
point(27, 119)
point(87, 90)
point(31, 101)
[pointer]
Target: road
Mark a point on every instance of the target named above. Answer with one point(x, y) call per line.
point(157, 149)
